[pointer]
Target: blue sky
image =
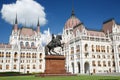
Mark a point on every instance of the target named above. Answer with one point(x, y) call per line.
point(91, 12)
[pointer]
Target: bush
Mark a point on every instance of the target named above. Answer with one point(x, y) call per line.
point(9, 73)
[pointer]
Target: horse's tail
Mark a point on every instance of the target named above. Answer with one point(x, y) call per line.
point(46, 50)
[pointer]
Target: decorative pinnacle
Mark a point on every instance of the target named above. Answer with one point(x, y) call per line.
point(16, 22)
point(38, 24)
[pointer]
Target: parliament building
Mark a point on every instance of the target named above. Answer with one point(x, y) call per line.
point(86, 51)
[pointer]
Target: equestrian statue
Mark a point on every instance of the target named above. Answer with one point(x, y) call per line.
point(54, 43)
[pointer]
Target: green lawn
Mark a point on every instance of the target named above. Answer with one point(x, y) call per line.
point(82, 77)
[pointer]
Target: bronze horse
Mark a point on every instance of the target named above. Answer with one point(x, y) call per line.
point(55, 42)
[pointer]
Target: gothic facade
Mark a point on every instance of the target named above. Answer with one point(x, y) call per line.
point(24, 52)
point(89, 51)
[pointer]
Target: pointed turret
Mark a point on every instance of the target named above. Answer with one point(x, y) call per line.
point(72, 14)
point(38, 26)
point(16, 24)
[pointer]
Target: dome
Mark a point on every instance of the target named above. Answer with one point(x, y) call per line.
point(72, 21)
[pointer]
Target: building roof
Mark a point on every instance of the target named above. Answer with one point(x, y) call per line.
point(72, 21)
point(95, 33)
point(107, 26)
point(27, 31)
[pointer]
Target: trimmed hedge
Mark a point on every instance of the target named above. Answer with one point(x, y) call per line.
point(12, 74)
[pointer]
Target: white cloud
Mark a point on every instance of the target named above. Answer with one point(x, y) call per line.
point(45, 37)
point(28, 12)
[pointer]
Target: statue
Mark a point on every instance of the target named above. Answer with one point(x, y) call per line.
point(55, 42)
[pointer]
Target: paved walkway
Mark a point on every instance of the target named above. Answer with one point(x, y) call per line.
point(103, 74)
point(108, 74)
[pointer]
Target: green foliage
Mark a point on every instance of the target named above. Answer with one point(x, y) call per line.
point(81, 77)
point(9, 72)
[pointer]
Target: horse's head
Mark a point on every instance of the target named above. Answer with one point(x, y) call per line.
point(59, 37)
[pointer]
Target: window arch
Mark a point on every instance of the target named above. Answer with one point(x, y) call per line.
point(108, 49)
point(32, 44)
point(0, 54)
point(99, 64)
point(86, 46)
point(27, 55)
point(104, 63)
point(1, 67)
point(7, 67)
point(109, 64)
point(72, 50)
point(92, 48)
point(34, 67)
point(22, 67)
point(40, 55)
point(15, 67)
point(28, 66)
point(9, 54)
point(40, 66)
point(78, 48)
point(15, 55)
point(26, 44)
point(93, 63)
point(21, 43)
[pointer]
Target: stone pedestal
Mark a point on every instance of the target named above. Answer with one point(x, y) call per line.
point(55, 64)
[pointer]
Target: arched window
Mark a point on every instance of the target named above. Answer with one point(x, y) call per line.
point(99, 64)
point(1, 67)
point(98, 56)
point(32, 55)
point(9, 54)
point(113, 63)
point(34, 67)
point(32, 44)
point(93, 63)
point(15, 67)
point(0, 54)
point(109, 64)
point(78, 48)
point(40, 55)
point(21, 43)
point(40, 66)
point(119, 48)
point(27, 55)
point(7, 67)
point(104, 64)
point(72, 50)
point(15, 55)
point(108, 49)
point(28, 66)
point(92, 48)
point(22, 67)
point(26, 44)
point(98, 48)
point(93, 56)
point(86, 46)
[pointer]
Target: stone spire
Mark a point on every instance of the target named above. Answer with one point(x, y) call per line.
point(72, 14)
point(38, 26)
point(16, 24)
